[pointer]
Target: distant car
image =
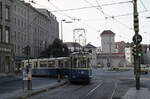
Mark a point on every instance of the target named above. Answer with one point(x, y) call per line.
point(144, 70)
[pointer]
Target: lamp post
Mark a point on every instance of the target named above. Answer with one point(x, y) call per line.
point(147, 17)
point(62, 27)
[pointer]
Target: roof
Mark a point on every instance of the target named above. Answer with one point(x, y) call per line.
point(90, 46)
point(106, 32)
point(72, 44)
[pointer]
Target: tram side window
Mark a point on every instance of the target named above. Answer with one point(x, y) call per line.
point(66, 64)
point(60, 64)
point(35, 65)
point(74, 63)
point(43, 64)
point(51, 63)
point(88, 63)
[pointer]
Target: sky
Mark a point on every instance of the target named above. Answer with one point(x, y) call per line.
point(99, 15)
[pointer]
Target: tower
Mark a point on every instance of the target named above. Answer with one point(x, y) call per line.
point(107, 41)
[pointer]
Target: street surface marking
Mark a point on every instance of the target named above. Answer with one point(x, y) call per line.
point(94, 89)
point(114, 91)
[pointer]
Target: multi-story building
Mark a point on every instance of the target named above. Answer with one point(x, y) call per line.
point(34, 27)
point(120, 47)
point(107, 41)
point(110, 57)
point(6, 46)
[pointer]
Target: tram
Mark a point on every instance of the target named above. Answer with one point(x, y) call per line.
point(48, 66)
point(80, 69)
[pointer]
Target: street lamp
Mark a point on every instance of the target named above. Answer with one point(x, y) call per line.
point(62, 27)
point(147, 17)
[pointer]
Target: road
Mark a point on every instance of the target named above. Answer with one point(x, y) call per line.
point(104, 85)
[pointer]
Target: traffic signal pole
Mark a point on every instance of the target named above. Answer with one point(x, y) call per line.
point(136, 39)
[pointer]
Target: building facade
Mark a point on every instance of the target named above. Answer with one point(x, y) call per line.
point(111, 60)
point(34, 27)
point(107, 41)
point(120, 47)
point(6, 46)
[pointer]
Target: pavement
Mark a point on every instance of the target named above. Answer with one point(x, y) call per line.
point(13, 89)
point(132, 93)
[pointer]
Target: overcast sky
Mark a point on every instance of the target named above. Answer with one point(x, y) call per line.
point(93, 18)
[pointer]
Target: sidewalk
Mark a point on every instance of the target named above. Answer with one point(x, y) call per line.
point(13, 89)
point(132, 93)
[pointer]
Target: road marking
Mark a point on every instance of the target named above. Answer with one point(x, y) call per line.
point(94, 89)
point(114, 91)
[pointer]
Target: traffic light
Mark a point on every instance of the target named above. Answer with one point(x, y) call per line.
point(139, 48)
point(134, 50)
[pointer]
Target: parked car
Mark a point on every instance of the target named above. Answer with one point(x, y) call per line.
point(144, 70)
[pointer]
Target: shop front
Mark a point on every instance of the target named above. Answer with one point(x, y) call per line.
point(6, 58)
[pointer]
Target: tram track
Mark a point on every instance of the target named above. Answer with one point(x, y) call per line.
point(116, 85)
point(92, 92)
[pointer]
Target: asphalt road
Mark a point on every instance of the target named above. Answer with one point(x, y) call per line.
point(104, 85)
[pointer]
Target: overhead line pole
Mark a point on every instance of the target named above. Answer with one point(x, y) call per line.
point(137, 47)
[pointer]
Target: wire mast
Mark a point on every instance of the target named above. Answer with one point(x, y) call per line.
point(79, 36)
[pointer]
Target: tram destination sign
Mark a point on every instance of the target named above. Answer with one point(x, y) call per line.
point(137, 39)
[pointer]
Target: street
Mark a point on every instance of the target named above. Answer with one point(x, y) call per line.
point(104, 85)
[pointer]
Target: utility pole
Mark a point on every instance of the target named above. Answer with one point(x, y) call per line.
point(137, 47)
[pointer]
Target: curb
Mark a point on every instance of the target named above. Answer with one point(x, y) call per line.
point(41, 91)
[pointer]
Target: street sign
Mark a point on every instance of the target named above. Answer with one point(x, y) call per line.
point(137, 39)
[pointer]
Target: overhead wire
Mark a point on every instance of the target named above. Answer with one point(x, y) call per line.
point(143, 5)
point(62, 12)
point(113, 17)
point(108, 16)
point(93, 6)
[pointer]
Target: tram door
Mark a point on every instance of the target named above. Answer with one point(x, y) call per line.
point(7, 64)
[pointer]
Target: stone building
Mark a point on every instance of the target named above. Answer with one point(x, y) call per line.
point(109, 57)
point(120, 47)
point(107, 41)
point(6, 46)
point(34, 27)
point(111, 60)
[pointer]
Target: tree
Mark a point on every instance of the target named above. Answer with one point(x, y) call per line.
point(56, 49)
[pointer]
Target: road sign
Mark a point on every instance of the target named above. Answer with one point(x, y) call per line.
point(137, 39)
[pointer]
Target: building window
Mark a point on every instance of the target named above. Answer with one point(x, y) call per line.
point(15, 35)
point(7, 34)
point(7, 13)
point(0, 10)
point(0, 33)
point(15, 21)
